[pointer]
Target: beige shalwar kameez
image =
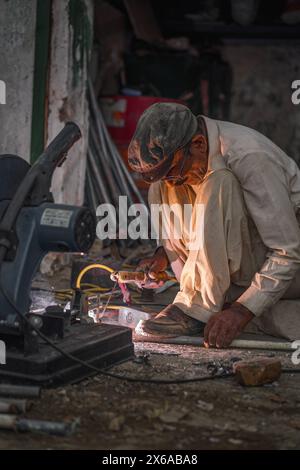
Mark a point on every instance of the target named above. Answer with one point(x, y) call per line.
point(246, 211)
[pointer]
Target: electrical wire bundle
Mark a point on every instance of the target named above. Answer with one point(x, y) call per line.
point(96, 293)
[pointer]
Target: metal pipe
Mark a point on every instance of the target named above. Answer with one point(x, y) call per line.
point(237, 343)
point(109, 172)
point(21, 391)
point(21, 405)
point(90, 191)
point(116, 155)
point(31, 425)
point(108, 143)
point(120, 182)
point(10, 408)
point(121, 167)
point(199, 342)
point(102, 186)
point(103, 148)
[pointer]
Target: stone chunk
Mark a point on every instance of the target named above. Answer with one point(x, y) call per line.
point(258, 371)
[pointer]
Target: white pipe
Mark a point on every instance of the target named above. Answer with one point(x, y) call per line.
point(237, 343)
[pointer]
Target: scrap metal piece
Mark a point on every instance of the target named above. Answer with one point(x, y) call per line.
point(131, 317)
point(122, 316)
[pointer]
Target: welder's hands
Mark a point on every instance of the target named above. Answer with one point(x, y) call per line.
point(153, 265)
point(223, 327)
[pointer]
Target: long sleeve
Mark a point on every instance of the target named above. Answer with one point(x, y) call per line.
point(221, 240)
point(267, 198)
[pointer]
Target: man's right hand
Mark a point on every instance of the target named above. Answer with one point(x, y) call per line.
point(153, 265)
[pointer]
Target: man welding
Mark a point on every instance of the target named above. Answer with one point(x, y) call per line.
point(245, 274)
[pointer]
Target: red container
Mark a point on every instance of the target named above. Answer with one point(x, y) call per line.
point(121, 114)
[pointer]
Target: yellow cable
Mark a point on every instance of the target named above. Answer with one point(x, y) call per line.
point(66, 294)
point(88, 268)
point(94, 286)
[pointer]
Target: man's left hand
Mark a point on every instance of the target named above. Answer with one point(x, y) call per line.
point(223, 327)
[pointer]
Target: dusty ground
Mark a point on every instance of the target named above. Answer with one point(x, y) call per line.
point(216, 414)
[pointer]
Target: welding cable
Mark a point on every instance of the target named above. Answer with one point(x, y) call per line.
point(102, 371)
point(66, 294)
point(88, 268)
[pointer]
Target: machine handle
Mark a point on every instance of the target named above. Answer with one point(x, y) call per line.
point(35, 187)
point(56, 152)
point(53, 156)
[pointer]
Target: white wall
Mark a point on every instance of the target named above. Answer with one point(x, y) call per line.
point(17, 38)
point(67, 103)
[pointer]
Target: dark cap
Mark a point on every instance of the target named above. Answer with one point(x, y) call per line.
point(162, 129)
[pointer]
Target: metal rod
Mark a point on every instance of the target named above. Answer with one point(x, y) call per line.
point(101, 184)
point(30, 425)
point(237, 343)
point(118, 159)
point(119, 182)
point(105, 166)
point(90, 192)
point(21, 405)
point(21, 391)
point(108, 144)
point(9, 408)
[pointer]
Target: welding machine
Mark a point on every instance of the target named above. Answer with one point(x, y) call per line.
point(31, 225)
